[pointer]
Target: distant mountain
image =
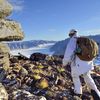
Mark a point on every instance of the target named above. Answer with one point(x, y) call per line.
point(27, 44)
point(59, 47)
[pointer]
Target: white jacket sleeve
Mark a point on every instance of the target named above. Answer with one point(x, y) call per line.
point(69, 52)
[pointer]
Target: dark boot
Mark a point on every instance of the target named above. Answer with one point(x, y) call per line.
point(75, 94)
point(95, 95)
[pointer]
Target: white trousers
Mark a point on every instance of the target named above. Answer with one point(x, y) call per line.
point(89, 81)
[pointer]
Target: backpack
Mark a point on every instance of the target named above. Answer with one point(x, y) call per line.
point(86, 48)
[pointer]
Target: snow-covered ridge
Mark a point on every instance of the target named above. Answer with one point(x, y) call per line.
point(28, 44)
point(42, 48)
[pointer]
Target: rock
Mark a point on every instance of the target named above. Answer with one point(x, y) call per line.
point(14, 60)
point(40, 66)
point(5, 8)
point(37, 71)
point(51, 63)
point(17, 68)
point(2, 74)
point(61, 82)
point(3, 93)
point(36, 76)
point(4, 56)
point(65, 93)
point(23, 72)
point(50, 94)
point(97, 69)
point(77, 98)
point(10, 82)
point(64, 98)
point(61, 70)
point(57, 60)
point(42, 83)
point(39, 92)
point(26, 87)
point(28, 66)
point(24, 95)
point(42, 98)
point(18, 94)
point(35, 80)
point(37, 56)
point(10, 30)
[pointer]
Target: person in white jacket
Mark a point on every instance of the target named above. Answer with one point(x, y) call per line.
point(78, 67)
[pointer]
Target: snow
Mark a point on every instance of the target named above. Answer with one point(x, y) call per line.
point(43, 48)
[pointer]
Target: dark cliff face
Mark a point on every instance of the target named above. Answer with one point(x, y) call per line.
point(59, 47)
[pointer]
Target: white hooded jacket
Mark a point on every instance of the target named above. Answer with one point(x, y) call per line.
point(78, 66)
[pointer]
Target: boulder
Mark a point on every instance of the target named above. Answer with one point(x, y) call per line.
point(37, 56)
point(10, 30)
point(5, 8)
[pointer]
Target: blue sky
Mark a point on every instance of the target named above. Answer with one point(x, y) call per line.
point(52, 19)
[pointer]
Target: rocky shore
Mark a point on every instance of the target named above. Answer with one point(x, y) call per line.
point(41, 79)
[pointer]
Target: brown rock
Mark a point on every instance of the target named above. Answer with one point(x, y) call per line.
point(61, 82)
point(37, 56)
point(64, 98)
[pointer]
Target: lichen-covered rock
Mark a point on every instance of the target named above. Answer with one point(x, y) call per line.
point(10, 30)
point(42, 83)
point(4, 56)
point(5, 8)
point(3, 93)
point(36, 76)
point(24, 95)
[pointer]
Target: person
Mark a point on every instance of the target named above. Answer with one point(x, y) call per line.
point(78, 66)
